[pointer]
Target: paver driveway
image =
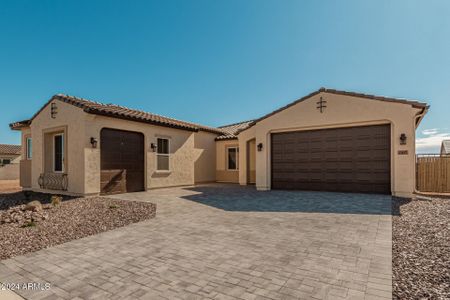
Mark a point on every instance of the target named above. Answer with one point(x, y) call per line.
point(226, 242)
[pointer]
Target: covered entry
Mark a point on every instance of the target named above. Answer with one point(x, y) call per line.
point(122, 161)
point(352, 159)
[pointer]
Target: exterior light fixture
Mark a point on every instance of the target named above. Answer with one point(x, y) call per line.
point(260, 146)
point(153, 147)
point(93, 142)
point(403, 139)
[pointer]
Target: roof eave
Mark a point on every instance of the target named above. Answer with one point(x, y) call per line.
point(130, 118)
point(20, 125)
point(226, 138)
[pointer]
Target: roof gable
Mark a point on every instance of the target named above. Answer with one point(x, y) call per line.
point(413, 103)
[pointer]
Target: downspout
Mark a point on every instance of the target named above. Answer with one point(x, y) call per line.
point(417, 119)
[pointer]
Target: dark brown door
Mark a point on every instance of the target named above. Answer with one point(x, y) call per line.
point(122, 161)
point(354, 159)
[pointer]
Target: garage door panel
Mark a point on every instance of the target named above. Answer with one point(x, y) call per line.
point(355, 159)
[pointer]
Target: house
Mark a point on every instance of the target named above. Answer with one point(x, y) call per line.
point(9, 161)
point(329, 140)
point(9, 154)
point(445, 148)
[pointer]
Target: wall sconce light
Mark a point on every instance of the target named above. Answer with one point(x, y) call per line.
point(153, 147)
point(403, 139)
point(94, 142)
point(260, 146)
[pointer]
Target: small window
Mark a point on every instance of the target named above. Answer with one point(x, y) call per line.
point(29, 149)
point(58, 151)
point(233, 158)
point(162, 154)
point(6, 161)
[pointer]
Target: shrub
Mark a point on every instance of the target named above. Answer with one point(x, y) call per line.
point(113, 206)
point(29, 224)
point(56, 200)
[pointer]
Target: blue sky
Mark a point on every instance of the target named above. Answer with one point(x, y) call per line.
point(196, 60)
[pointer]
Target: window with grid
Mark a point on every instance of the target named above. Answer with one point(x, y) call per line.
point(162, 154)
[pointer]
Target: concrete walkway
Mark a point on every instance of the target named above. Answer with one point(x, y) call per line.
point(226, 242)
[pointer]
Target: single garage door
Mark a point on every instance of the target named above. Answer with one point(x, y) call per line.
point(353, 159)
point(122, 161)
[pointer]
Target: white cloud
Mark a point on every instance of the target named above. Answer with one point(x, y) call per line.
point(432, 140)
point(430, 131)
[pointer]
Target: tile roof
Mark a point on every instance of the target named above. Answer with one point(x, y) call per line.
point(121, 112)
point(445, 149)
point(20, 124)
point(10, 149)
point(225, 132)
point(413, 103)
point(232, 130)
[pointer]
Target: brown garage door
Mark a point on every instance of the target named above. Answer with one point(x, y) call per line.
point(122, 161)
point(354, 159)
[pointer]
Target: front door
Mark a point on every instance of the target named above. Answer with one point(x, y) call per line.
point(122, 161)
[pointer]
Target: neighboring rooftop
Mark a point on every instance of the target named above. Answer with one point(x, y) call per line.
point(445, 147)
point(10, 149)
point(232, 130)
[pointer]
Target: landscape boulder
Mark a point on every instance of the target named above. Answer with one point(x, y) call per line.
point(34, 206)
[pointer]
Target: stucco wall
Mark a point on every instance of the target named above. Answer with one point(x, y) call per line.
point(190, 153)
point(341, 111)
point(9, 172)
point(205, 157)
point(14, 159)
point(71, 120)
point(222, 174)
point(251, 161)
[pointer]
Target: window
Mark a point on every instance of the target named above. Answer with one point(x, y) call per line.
point(29, 148)
point(233, 158)
point(6, 161)
point(58, 152)
point(162, 154)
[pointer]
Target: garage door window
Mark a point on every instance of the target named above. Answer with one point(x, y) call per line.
point(232, 158)
point(162, 155)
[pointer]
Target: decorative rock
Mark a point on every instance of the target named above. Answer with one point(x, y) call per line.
point(34, 206)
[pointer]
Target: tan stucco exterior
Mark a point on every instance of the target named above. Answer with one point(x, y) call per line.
point(204, 157)
point(195, 156)
point(192, 154)
point(222, 172)
point(251, 161)
point(341, 111)
point(70, 120)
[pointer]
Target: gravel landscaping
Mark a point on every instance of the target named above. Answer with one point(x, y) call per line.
point(23, 230)
point(421, 249)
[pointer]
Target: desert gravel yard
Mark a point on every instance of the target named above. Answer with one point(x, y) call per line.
point(421, 249)
point(72, 219)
